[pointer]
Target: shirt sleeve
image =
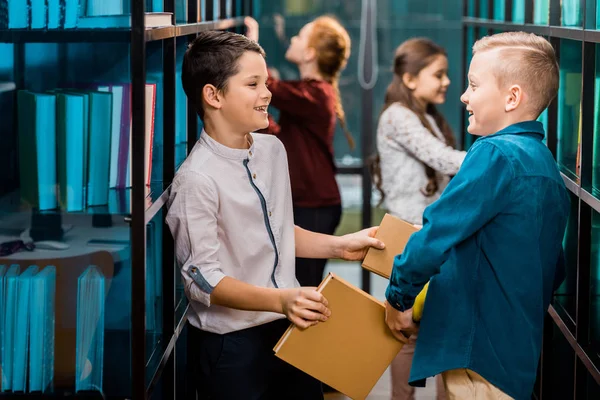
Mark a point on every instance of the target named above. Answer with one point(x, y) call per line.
point(476, 195)
point(192, 219)
point(403, 129)
point(294, 97)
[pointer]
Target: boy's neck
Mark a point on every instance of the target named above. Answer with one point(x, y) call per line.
point(310, 71)
point(226, 136)
point(511, 121)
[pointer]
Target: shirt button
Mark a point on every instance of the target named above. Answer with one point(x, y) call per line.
point(250, 153)
point(270, 213)
point(254, 176)
point(194, 270)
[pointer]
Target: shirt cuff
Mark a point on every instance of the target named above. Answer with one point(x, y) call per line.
point(203, 282)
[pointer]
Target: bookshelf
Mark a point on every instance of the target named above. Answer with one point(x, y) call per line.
point(571, 346)
point(145, 310)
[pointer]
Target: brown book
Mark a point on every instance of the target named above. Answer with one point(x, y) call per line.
point(395, 233)
point(351, 350)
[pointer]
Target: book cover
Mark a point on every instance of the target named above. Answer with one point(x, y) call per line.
point(352, 349)
point(395, 233)
point(100, 125)
point(89, 351)
point(42, 320)
point(21, 339)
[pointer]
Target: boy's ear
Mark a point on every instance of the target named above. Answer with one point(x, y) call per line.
point(409, 81)
point(514, 98)
point(212, 96)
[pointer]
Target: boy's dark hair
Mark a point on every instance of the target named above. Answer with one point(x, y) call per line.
point(212, 58)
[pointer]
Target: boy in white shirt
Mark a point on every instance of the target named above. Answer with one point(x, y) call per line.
point(230, 212)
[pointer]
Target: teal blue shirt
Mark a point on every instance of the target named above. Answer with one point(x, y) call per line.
point(490, 246)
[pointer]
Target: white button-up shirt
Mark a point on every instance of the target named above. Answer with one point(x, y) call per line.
point(230, 213)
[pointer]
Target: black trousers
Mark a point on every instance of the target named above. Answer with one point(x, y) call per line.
point(309, 271)
point(242, 366)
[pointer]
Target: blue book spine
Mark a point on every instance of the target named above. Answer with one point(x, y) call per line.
point(21, 340)
point(18, 14)
point(99, 148)
point(54, 14)
point(42, 319)
point(90, 330)
point(71, 13)
point(70, 138)
point(9, 313)
point(45, 131)
point(38, 14)
point(2, 313)
point(216, 9)
point(541, 12)
point(571, 13)
point(518, 11)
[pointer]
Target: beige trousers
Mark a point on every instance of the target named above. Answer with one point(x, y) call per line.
point(401, 390)
point(466, 384)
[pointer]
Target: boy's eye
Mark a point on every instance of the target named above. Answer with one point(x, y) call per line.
point(253, 84)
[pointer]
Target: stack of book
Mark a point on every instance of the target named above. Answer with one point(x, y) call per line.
point(90, 130)
point(27, 329)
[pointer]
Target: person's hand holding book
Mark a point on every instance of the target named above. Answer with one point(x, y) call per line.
point(304, 307)
point(354, 246)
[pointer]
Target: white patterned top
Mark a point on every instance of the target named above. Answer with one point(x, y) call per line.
point(404, 144)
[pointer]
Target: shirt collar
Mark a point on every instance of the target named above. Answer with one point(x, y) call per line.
point(531, 127)
point(228, 152)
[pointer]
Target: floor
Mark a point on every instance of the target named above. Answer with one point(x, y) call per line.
point(351, 271)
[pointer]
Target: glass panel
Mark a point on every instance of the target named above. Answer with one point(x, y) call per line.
point(562, 367)
point(55, 192)
point(592, 387)
point(471, 8)
point(596, 156)
point(154, 300)
point(154, 112)
point(572, 13)
point(518, 11)
point(499, 10)
point(595, 284)
point(569, 101)
point(541, 12)
point(543, 118)
point(564, 297)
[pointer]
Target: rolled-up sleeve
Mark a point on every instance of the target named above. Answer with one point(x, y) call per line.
point(192, 219)
point(476, 195)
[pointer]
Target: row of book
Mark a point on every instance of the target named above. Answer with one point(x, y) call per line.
point(27, 329)
point(75, 144)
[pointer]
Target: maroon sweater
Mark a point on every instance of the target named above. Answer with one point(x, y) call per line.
point(306, 127)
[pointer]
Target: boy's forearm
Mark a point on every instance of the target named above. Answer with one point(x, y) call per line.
point(316, 245)
point(239, 295)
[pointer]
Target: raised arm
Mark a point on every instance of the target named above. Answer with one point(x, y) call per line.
point(402, 129)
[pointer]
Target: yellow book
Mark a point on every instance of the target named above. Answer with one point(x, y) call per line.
point(395, 233)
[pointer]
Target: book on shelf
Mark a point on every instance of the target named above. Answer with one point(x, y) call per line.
point(14, 14)
point(9, 311)
point(115, 131)
point(71, 150)
point(42, 320)
point(102, 7)
point(89, 350)
point(352, 349)
point(395, 233)
point(37, 134)
point(151, 20)
point(100, 125)
point(39, 14)
point(2, 314)
point(21, 340)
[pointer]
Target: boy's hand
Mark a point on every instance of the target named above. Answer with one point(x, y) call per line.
point(354, 246)
point(251, 28)
point(304, 307)
point(400, 323)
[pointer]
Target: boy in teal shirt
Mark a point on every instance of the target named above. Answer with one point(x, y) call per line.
point(492, 243)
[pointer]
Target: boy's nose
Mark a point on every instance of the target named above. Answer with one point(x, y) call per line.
point(464, 98)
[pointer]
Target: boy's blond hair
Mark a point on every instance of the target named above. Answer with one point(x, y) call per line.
point(528, 60)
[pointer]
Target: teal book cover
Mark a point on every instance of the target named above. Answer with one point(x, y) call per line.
point(41, 343)
point(21, 340)
point(37, 134)
point(89, 341)
point(70, 150)
point(9, 314)
point(541, 12)
point(100, 124)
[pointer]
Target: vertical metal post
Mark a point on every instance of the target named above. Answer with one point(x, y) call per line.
point(529, 11)
point(552, 134)
point(138, 226)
